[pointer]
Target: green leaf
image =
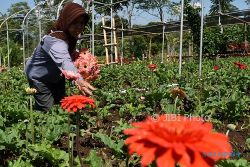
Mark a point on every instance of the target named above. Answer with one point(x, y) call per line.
point(94, 160)
point(53, 155)
point(20, 163)
point(234, 163)
point(116, 146)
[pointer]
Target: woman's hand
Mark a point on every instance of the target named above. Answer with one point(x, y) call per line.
point(85, 87)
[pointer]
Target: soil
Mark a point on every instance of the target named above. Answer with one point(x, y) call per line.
point(238, 138)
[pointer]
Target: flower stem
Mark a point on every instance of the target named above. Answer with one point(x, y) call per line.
point(175, 104)
point(72, 149)
point(32, 122)
point(152, 80)
point(78, 137)
point(26, 136)
point(69, 152)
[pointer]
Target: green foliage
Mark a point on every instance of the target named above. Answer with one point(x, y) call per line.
point(16, 7)
point(45, 151)
point(226, 6)
point(116, 7)
point(51, 126)
point(216, 42)
point(139, 45)
point(10, 139)
point(234, 33)
point(116, 146)
point(158, 5)
point(15, 54)
point(130, 109)
point(213, 41)
point(193, 18)
point(125, 94)
point(94, 160)
point(234, 163)
point(20, 163)
point(121, 126)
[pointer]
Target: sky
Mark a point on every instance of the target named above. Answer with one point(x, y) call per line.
point(139, 18)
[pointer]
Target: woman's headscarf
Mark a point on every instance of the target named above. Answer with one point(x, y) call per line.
point(69, 13)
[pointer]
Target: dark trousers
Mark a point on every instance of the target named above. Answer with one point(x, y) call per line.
point(47, 94)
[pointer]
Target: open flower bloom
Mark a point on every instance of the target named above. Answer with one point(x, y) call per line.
point(30, 90)
point(76, 102)
point(170, 139)
point(240, 65)
point(87, 65)
point(216, 68)
point(71, 75)
point(178, 92)
point(152, 67)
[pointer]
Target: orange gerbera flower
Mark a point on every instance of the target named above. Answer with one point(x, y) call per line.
point(170, 139)
point(76, 102)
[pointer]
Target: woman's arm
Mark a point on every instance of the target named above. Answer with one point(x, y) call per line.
point(60, 55)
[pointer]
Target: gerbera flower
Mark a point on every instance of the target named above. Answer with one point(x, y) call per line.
point(240, 65)
point(30, 90)
point(216, 68)
point(70, 75)
point(76, 102)
point(152, 67)
point(170, 139)
point(87, 65)
point(178, 92)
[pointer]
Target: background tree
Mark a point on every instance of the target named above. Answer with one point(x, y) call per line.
point(17, 7)
point(16, 21)
point(49, 2)
point(106, 9)
point(130, 9)
point(192, 15)
point(149, 6)
point(15, 33)
point(226, 6)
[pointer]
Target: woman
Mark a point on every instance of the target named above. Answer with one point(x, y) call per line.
point(54, 54)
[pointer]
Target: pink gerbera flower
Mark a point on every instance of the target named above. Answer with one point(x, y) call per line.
point(87, 65)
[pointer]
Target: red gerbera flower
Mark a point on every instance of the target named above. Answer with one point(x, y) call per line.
point(170, 139)
point(76, 102)
point(152, 67)
point(240, 65)
point(216, 68)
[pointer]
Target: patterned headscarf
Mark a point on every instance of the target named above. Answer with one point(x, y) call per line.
point(69, 13)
